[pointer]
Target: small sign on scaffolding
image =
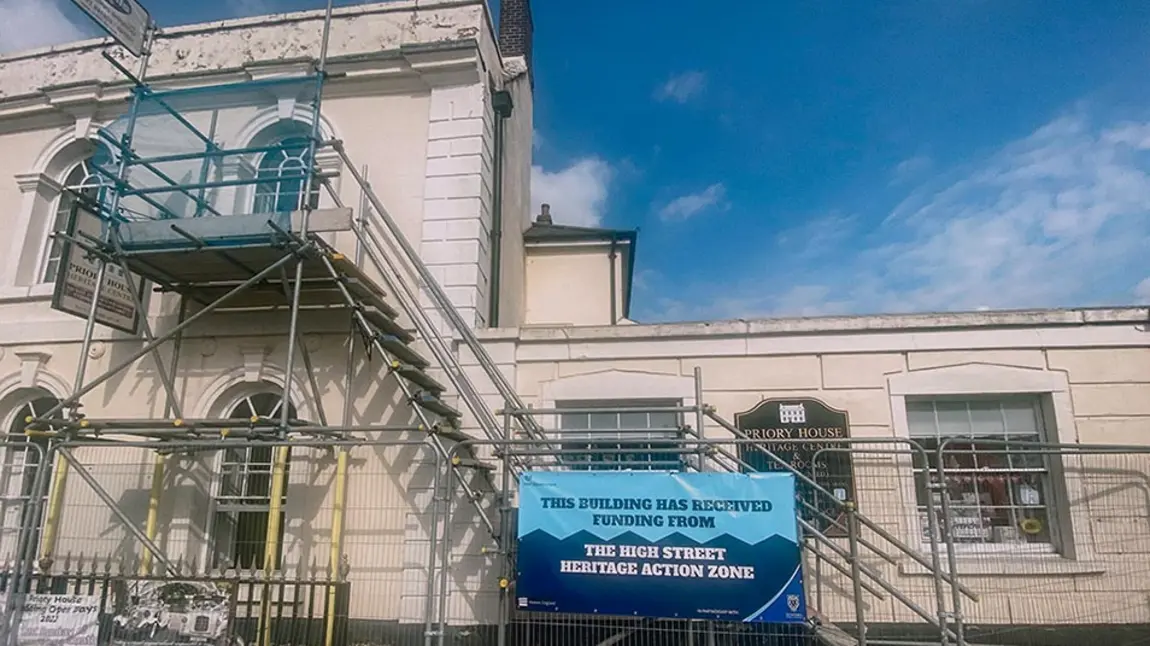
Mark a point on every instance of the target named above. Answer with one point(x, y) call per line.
point(126, 21)
point(76, 280)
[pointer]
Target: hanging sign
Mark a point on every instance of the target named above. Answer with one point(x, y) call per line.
point(777, 424)
point(126, 21)
point(76, 278)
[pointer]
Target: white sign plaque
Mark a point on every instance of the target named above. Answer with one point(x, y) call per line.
point(59, 620)
point(125, 20)
point(76, 280)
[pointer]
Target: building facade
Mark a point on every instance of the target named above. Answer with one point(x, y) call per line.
point(433, 104)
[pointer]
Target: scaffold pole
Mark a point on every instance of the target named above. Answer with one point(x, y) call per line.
point(163, 338)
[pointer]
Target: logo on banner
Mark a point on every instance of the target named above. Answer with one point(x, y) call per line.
point(792, 414)
point(793, 602)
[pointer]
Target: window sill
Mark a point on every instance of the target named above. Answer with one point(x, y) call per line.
point(1007, 564)
point(16, 294)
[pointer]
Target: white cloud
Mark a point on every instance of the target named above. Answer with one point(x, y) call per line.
point(911, 168)
point(1055, 219)
point(686, 206)
point(1142, 291)
point(577, 194)
point(817, 236)
point(31, 24)
point(682, 87)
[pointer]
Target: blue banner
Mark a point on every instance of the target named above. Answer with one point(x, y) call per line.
point(718, 546)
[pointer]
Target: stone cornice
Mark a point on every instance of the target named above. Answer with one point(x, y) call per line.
point(407, 68)
point(85, 93)
point(218, 47)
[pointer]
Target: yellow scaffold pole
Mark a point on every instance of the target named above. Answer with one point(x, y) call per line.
point(272, 542)
point(152, 524)
point(55, 505)
point(336, 541)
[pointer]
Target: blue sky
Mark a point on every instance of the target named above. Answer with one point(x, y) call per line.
point(807, 157)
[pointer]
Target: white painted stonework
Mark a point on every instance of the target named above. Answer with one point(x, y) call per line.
point(412, 103)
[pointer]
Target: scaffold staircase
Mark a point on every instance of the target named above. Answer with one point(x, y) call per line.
point(200, 260)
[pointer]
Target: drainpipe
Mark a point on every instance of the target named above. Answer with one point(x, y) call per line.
point(614, 306)
point(502, 103)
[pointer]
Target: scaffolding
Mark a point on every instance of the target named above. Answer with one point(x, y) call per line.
point(161, 219)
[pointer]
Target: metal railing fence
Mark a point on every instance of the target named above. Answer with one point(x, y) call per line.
point(1059, 536)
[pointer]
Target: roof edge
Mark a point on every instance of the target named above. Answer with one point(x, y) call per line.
point(165, 33)
point(1080, 317)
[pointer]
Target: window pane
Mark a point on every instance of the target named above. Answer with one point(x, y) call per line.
point(920, 418)
point(1020, 418)
point(573, 421)
point(664, 420)
point(997, 493)
point(953, 418)
point(604, 421)
point(633, 420)
point(619, 441)
point(986, 418)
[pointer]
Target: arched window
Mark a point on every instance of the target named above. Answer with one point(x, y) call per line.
point(243, 500)
point(82, 180)
point(22, 462)
point(289, 163)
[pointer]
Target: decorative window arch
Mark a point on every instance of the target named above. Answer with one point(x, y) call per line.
point(23, 457)
point(82, 181)
point(32, 259)
point(242, 501)
point(289, 161)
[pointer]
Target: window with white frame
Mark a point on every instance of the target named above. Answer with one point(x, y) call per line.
point(620, 441)
point(998, 493)
point(83, 180)
point(22, 463)
point(243, 494)
point(282, 169)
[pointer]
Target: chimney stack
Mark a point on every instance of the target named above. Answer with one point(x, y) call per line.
point(516, 30)
point(544, 214)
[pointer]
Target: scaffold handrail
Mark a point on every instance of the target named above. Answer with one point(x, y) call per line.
point(442, 302)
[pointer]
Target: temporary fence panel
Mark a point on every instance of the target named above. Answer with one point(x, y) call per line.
point(1061, 536)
